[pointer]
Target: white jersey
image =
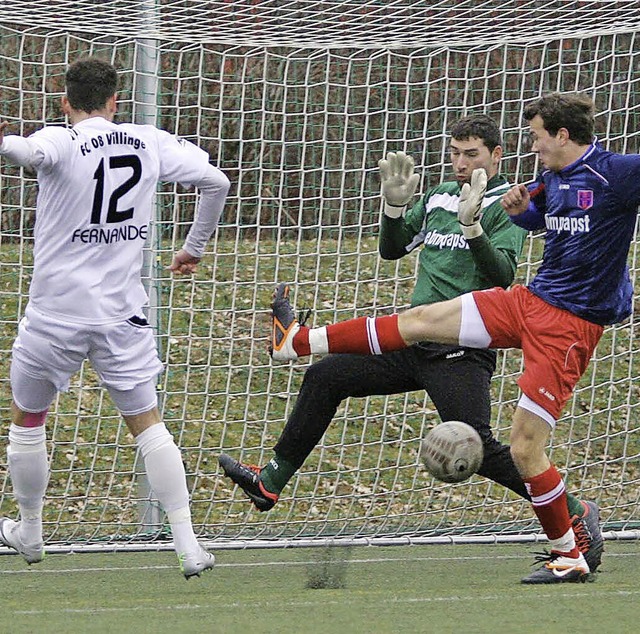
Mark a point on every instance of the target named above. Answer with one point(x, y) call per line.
point(96, 187)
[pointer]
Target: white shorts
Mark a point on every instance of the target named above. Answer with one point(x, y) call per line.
point(123, 354)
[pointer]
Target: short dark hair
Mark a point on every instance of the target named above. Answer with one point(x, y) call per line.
point(90, 84)
point(481, 126)
point(572, 111)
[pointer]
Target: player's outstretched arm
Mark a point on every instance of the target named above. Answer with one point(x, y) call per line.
point(184, 263)
point(17, 149)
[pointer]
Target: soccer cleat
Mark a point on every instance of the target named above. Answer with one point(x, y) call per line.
point(285, 326)
point(9, 536)
point(588, 535)
point(247, 477)
point(559, 569)
point(192, 564)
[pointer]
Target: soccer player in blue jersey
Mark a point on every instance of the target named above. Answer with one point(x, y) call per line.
point(586, 198)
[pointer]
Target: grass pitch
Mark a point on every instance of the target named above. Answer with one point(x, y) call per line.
point(439, 589)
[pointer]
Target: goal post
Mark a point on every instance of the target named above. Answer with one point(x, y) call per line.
point(145, 112)
point(296, 101)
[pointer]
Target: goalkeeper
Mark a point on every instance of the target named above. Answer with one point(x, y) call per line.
point(459, 255)
point(97, 180)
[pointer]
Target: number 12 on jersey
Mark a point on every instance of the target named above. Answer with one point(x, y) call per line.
point(130, 161)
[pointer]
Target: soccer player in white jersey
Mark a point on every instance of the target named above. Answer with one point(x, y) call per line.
point(96, 184)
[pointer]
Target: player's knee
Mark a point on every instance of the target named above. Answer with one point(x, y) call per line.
point(518, 453)
point(323, 378)
point(439, 322)
point(529, 437)
point(490, 444)
point(31, 396)
point(414, 323)
point(526, 453)
point(136, 401)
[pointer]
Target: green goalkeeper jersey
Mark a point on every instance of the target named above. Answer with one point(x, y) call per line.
point(448, 267)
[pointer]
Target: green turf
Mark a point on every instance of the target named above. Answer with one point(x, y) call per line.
point(440, 589)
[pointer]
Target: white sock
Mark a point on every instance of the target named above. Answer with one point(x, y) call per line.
point(165, 472)
point(184, 539)
point(29, 469)
point(564, 544)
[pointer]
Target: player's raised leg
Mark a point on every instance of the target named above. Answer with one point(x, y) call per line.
point(439, 323)
point(460, 321)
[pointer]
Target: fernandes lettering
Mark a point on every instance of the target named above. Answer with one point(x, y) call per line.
point(98, 235)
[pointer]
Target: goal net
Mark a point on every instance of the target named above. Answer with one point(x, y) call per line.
point(296, 101)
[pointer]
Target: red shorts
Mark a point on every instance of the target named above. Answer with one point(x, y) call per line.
point(556, 344)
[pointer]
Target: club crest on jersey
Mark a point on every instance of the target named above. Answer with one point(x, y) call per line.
point(585, 199)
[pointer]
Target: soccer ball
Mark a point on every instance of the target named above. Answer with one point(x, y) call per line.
point(452, 451)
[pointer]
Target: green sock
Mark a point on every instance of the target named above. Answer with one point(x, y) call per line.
point(574, 505)
point(276, 473)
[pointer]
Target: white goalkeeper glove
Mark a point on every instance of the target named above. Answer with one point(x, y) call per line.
point(398, 182)
point(470, 207)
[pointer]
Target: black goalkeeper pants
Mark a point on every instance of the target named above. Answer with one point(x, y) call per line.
point(456, 379)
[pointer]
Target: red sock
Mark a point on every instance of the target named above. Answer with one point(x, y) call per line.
point(549, 500)
point(363, 335)
point(366, 335)
point(301, 342)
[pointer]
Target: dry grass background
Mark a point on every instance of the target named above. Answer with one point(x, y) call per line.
point(299, 133)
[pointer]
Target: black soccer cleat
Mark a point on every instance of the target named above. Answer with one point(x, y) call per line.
point(588, 535)
point(559, 568)
point(284, 326)
point(247, 477)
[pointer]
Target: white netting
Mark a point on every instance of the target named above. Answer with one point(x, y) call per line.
point(299, 131)
point(331, 23)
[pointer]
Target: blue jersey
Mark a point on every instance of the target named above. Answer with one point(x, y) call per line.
point(589, 212)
